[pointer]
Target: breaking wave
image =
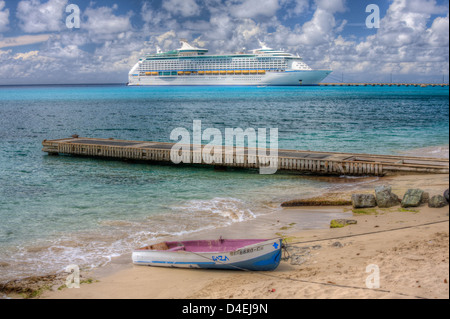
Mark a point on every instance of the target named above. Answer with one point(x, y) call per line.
point(230, 209)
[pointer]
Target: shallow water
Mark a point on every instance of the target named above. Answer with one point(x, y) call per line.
point(56, 211)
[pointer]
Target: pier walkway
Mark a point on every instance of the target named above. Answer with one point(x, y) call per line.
point(318, 163)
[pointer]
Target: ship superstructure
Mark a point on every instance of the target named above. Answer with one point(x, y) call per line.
point(189, 65)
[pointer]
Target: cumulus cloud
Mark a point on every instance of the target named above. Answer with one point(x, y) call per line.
point(185, 8)
point(317, 34)
point(64, 52)
point(37, 17)
point(168, 39)
point(421, 6)
point(331, 6)
point(404, 26)
point(319, 29)
point(253, 8)
point(103, 21)
point(438, 35)
point(403, 44)
point(23, 40)
point(26, 56)
point(4, 17)
point(60, 56)
point(300, 6)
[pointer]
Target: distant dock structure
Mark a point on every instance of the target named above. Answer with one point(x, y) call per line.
point(302, 162)
point(423, 85)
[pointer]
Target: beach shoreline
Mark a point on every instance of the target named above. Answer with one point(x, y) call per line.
point(330, 268)
point(65, 210)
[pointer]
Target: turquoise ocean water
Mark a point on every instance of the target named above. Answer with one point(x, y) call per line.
point(57, 211)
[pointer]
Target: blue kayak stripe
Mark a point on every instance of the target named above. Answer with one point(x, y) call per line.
point(177, 262)
point(267, 262)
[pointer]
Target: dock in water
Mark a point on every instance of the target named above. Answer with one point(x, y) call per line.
point(318, 163)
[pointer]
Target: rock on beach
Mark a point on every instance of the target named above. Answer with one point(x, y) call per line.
point(385, 198)
point(413, 198)
point(363, 201)
point(437, 201)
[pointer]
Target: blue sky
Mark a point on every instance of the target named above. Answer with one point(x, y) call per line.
point(37, 47)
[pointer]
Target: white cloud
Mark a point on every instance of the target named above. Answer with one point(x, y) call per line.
point(185, 8)
point(300, 6)
point(157, 21)
point(404, 43)
point(167, 40)
point(438, 34)
point(321, 28)
point(404, 25)
point(4, 53)
point(249, 29)
point(293, 8)
point(36, 17)
point(222, 27)
point(318, 30)
point(26, 55)
point(165, 36)
point(421, 6)
point(253, 8)
point(331, 6)
point(68, 52)
point(103, 21)
point(4, 17)
point(23, 40)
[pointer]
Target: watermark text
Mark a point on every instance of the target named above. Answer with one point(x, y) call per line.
point(250, 147)
point(373, 19)
point(73, 280)
point(73, 20)
point(373, 280)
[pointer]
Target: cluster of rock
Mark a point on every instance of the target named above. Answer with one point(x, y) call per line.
point(384, 198)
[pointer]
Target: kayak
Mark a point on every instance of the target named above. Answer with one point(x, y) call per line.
point(237, 254)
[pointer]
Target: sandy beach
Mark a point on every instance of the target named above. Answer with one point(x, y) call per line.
point(279, 150)
point(409, 247)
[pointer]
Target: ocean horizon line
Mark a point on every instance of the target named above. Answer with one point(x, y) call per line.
point(125, 84)
point(63, 84)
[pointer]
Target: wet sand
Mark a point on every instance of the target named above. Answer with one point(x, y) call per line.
point(410, 248)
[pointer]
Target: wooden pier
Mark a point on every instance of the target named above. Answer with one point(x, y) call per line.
point(423, 85)
point(318, 163)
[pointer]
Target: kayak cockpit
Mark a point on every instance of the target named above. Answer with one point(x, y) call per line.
point(219, 245)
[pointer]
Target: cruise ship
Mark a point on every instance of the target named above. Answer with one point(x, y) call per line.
point(189, 65)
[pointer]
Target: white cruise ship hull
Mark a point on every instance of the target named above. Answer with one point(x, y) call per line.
point(287, 78)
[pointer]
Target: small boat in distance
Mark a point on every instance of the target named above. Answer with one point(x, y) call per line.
point(236, 254)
